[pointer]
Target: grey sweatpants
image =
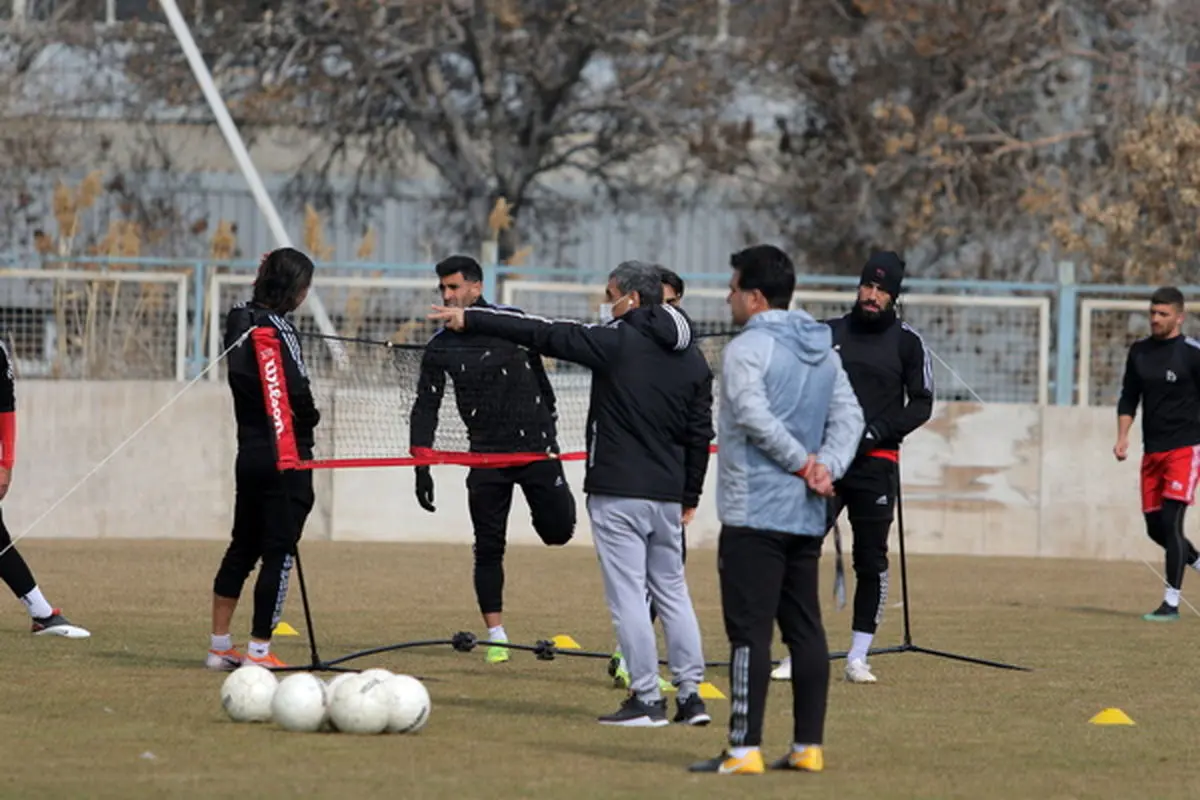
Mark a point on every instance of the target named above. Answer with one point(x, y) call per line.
point(640, 547)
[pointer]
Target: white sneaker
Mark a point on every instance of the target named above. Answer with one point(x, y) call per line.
point(857, 671)
point(784, 671)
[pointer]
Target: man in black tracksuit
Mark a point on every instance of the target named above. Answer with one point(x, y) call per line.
point(507, 404)
point(649, 428)
point(270, 506)
point(886, 360)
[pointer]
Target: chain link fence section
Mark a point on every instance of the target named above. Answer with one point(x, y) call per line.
point(83, 324)
point(374, 308)
point(1107, 329)
point(995, 347)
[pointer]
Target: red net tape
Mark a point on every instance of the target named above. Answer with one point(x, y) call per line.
point(394, 405)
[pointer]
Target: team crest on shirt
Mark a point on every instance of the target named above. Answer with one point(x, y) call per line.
point(1170, 376)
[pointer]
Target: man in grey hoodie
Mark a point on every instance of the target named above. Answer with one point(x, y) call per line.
point(789, 425)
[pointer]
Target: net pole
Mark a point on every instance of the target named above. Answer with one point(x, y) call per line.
point(233, 138)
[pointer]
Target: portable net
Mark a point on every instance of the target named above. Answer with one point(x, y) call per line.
point(380, 408)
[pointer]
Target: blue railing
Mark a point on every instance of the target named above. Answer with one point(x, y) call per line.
point(1064, 293)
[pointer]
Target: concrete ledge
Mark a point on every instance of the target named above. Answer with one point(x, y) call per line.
point(1004, 480)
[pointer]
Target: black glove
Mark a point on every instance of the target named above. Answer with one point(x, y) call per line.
point(425, 488)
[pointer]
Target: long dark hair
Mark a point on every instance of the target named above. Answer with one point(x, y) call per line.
point(283, 276)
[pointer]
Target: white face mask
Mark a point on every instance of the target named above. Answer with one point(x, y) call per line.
point(606, 311)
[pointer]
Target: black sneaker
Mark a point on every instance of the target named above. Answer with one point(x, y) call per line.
point(691, 710)
point(634, 713)
point(57, 625)
point(1164, 613)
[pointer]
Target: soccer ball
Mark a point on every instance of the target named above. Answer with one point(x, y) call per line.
point(360, 705)
point(409, 706)
point(247, 693)
point(379, 673)
point(299, 703)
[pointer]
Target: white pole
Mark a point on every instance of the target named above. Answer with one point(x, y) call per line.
point(234, 139)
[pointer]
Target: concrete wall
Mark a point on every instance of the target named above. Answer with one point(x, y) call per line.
point(987, 480)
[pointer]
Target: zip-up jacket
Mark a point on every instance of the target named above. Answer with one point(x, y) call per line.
point(784, 396)
point(649, 424)
point(503, 395)
point(254, 426)
point(887, 362)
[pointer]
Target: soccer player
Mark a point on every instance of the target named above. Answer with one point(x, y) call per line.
point(507, 404)
point(672, 287)
point(648, 435)
point(1162, 373)
point(47, 620)
point(892, 375)
point(270, 507)
point(787, 428)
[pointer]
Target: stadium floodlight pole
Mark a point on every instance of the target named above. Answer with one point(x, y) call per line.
point(234, 139)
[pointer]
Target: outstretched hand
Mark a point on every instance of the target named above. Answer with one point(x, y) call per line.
point(454, 318)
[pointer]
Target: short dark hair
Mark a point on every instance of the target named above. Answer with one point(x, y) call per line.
point(672, 279)
point(283, 275)
point(768, 269)
point(468, 266)
point(1167, 296)
point(640, 277)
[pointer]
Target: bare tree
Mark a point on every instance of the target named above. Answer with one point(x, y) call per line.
point(922, 125)
point(495, 96)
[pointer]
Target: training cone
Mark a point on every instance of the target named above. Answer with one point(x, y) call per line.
point(1112, 716)
point(710, 692)
point(565, 642)
point(283, 629)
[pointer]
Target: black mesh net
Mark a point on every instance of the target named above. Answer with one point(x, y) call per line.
point(380, 399)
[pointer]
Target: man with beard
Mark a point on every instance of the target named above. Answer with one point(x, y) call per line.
point(1162, 373)
point(886, 361)
point(507, 406)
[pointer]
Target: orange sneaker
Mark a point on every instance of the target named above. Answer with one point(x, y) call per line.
point(270, 661)
point(225, 660)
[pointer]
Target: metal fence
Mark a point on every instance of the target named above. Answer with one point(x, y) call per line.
point(81, 324)
point(992, 341)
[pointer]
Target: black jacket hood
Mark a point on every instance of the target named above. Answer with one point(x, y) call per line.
point(666, 326)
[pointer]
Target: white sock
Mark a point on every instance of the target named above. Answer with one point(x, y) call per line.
point(800, 748)
point(37, 605)
point(1171, 597)
point(860, 643)
point(221, 643)
point(260, 649)
point(1195, 564)
point(741, 752)
point(497, 634)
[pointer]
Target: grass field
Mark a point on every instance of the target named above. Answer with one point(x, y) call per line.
point(82, 718)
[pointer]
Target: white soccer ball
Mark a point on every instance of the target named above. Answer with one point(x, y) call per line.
point(247, 693)
point(300, 703)
point(376, 672)
point(332, 684)
point(360, 705)
point(409, 704)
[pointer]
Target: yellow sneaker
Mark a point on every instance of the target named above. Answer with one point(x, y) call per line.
point(497, 654)
point(727, 764)
point(810, 759)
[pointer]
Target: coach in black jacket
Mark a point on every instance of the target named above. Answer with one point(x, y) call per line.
point(649, 429)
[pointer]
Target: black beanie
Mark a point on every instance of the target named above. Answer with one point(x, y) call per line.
point(885, 269)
